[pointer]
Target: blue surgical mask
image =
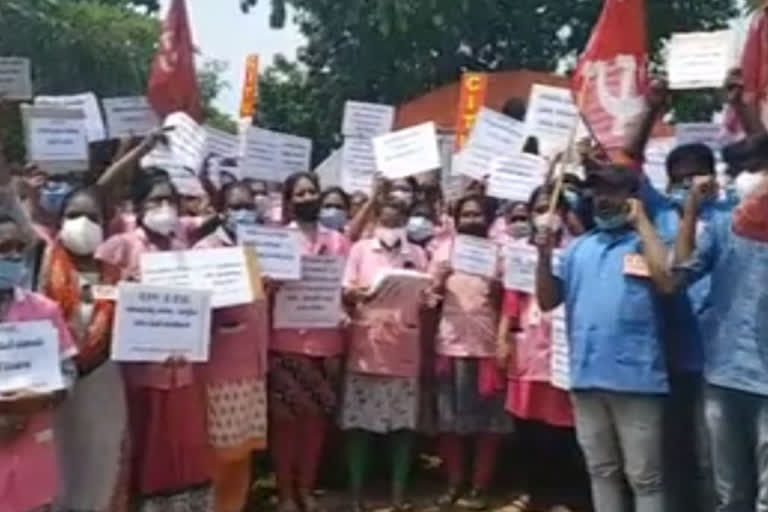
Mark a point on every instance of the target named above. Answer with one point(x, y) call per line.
point(616, 221)
point(678, 196)
point(240, 216)
point(333, 218)
point(52, 196)
point(420, 229)
point(12, 273)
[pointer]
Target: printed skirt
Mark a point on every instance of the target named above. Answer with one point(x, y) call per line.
point(300, 386)
point(380, 404)
point(237, 417)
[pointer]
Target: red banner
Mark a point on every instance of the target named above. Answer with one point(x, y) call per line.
point(250, 87)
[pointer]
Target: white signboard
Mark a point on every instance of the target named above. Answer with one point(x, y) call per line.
point(86, 102)
point(225, 272)
point(561, 359)
point(407, 152)
point(699, 60)
point(30, 357)
point(358, 165)
point(520, 267)
point(56, 138)
point(221, 143)
point(515, 177)
point(15, 78)
point(709, 134)
point(273, 156)
point(493, 135)
point(129, 117)
point(315, 301)
point(279, 250)
point(155, 323)
point(551, 117)
point(185, 148)
point(474, 255)
point(366, 120)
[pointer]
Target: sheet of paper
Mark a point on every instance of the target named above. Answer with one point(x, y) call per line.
point(407, 152)
point(315, 301)
point(655, 163)
point(273, 156)
point(451, 181)
point(30, 357)
point(329, 170)
point(221, 143)
point(699, 60)
point(493, 135)
point(709, 134)
point(358, 165)
point(129, 116)
point(520, 267)
point(278, 249)
point(397, 286)
point(15, 78)
point(551, 117)
point(185, 148)
point(515, 177)
point(473, 255)
point(366, 120)
point(225, 272)
point(154, 323)
point(561, 358)
point(86, 102)
point(56, 138)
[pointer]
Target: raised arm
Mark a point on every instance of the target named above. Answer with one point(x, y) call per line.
point(747, 113)
point(128, 162)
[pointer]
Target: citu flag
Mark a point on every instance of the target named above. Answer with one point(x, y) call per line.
point(611, 80)
point(173, 81)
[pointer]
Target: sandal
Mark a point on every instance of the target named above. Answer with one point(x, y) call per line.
point(287, 506)
point(520, 504)
point(475, 500)
point(310, 503)
point(449, 497)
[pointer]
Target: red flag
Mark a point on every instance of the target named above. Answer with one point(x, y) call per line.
point(611, 80)
point(173, 81)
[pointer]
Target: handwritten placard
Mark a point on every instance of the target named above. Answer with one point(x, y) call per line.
point(315, 301)
point(699, 60)
point(30, 357)
point(15, 78)
point(515, 177)
point(130, 116)
point(407, 152)
point(366, 120)
point(86, 102)
point(278, 249)
point(561, 355)
point(520, 267)
point(56, 138)
point(226, 272)
point(551, 117)
point(474, 255)
point(273, 156)
point(186, 145)
point(155, 323)
point(493, 135)
point(358, 165)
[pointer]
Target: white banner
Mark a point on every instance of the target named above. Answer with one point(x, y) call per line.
point(221, 143)
point(273, 156)
point(129, 116)
point(358, 165)
point(366, 120)
point(407, 152)
point(551, 117)
point(30, 357)
point(15, 78)
point(279, 250)
point(494, 135)
point(699, 60)
point(515, 177)
point(474, 255)
point(56, 138)
point(315, 301)
point(86, 102)
point(185, 148)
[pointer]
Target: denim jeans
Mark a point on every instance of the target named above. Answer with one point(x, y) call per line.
point(621, 437)
point(737, 423)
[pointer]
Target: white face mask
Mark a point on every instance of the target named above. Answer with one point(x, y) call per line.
point(81, 235)
point(161, 220)
point(747, 182)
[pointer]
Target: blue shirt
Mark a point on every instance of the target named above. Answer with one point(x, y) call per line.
point(613, 320)
point(736, 326)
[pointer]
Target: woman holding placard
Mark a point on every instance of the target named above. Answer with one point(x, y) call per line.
point(171, 462)
point(236, 370)
point(303, 364)
point(469, 402)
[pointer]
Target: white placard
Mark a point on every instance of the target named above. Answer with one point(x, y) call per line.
point(366, 120)
point(86, 102)
point(30, 357)
point(155, 323)
point(551, 117)
point(474, 255)
point(279, 250)
point(15, 78)
point(709, 134)
point(515, 177)
point(221, 143)
point(273, 156)
point(225, 272)
point(520, 267)
point(397, 286)
point(561, 359)
point(315, 301)
point(493, 135)
point(655, 162)
point(56, 138)
point(185, 148)
point(699, 60)
point(358, 165)
point(407, 152)
point(130, 116)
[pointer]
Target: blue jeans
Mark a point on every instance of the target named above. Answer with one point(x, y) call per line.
point(621, 437)
point(737, 423)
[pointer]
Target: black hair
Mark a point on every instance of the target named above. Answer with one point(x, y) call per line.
point(547, 189)
point(481, 200)
point(411, 183)
point(616, 177)
point(292, 180)
point(515, 108)
point(221, 199)
point(336, 190)
point(394, 205)
point(698, 154)
point(423, 206)
point(146, 180)
point(91, 192)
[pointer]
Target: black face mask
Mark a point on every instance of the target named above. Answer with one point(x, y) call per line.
point(478, 229)
point(307, 211)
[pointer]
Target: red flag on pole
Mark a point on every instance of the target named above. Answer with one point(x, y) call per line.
point(173, 81)
point(611, 79)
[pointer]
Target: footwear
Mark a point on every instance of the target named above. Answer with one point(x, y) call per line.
point(287, 506)
point(520, 504)
point(310, 504)
point(475, 500)
point(401, 506)
point(356, 505)
point(449, 497)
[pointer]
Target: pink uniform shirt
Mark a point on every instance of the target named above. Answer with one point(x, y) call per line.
point(239, 335)
point(28, 466)
point(470, 317)
point(314, 342)
point(124, 251)
point(533, 344)
point(385, 338)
